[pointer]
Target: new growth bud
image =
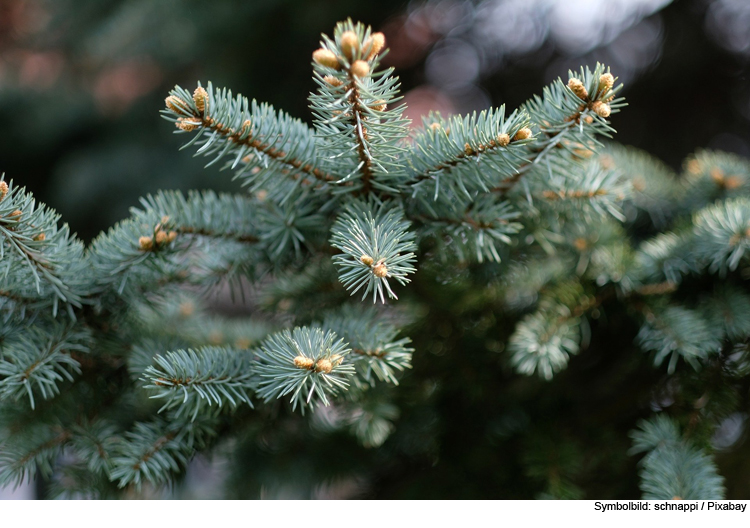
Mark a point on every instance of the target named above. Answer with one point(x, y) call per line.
point(333, 81)
point(302, 362)
point(375, 44)
point(188, 124)
point(176, 104)
point(578, 88)
point(601, 109)
point(349, 44)
point(380, 270)
point(606, 82)
point(200, 97)
point(503, 140)
point(146, 243)
point(326, 58)
point(366, 260)
point(3, 189)
point(324, 365)
point(360, 68)
point(524, 133)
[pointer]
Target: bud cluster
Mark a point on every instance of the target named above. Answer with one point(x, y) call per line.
point(352, 55)
point(160, 238)
point(598, 103)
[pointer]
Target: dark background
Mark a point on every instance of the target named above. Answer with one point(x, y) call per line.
point(82, 81)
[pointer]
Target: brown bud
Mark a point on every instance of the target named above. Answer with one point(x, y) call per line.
point(243, 343)
point(588, 119)
point(3, 189)
point(171, 236)
point(379, 105)
point(349, 44)
point(161, 237)
point(606, 82)
point(380, 270)
point(468, 150)
point(337, 360)
point(41, 237)
point(578, 88)
point(694, 166)
point(375, 43)
point(717, 175)
point(580, 244)
point(733, 182)
point(200, 96)
point(188, 124)
point(326, 57)
point(601, 109)
point(15, 214)
point(215, 337)
point(435, 126)
point(360, 68)
point(176, 104)
point(333, 81)
point(303, 362)
point(524, 133)
point(503, 140)
point(366, 260)
point(146, 243)
point(323, 365)
point(187, 308)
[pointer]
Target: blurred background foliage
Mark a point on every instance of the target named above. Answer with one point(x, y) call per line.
point(81, 83)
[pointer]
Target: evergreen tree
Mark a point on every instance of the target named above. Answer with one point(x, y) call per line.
point(115, 370)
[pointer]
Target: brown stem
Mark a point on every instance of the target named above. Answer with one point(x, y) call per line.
point(359, 133)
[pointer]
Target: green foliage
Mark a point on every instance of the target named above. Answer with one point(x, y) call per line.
point(516, 232)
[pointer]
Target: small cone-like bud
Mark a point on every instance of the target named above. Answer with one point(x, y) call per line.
point(601, 109)
point(468, 150)
point(337, 360)
point(366, 260)
point(733, 182)
point(215, 337)
point(349, 44)
point(3, 189)
point(524, 133)
point(333, 81)
point(380, 270)
point(580, 244)
point(146, 243)
point(187, 124)
point(375, 43)
point(303, 362)
point(15, 214)
point(503, 140)
point(324, 365)
point(200, 96)
point(187, 309)
point(379, 106)
point(161, 237)
point(606, 82)
point(588, 119)
point(694, 166)
point(326, 58)
point(243, 343)
point(171, 236)
point(176, 104)
point(360, 68)
point(578, 88)
point(41, 237)
point(717, 175)
point(436, 126)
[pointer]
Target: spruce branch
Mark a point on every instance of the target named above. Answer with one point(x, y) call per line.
point(376, 246)
point(191, 380)
point(309, 364)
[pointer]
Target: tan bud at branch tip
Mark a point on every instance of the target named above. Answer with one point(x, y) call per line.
point(200, 97)
point(333, 81)
point(503, 140)
point(601, 109)
point(379, 105)
point(326, 58)
point(3, 189)
point(161, 237)
point(324, 365)
point(145, 243)
point(578, 88)
point(349, 44)
point(41, 237)
point(187, 124)
point(303, 362)
point(366, 260)
point(524, 133)
point(380, 270)
point(374, 45)
point(360, 68)
point(176, 104)
point(606, 82)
